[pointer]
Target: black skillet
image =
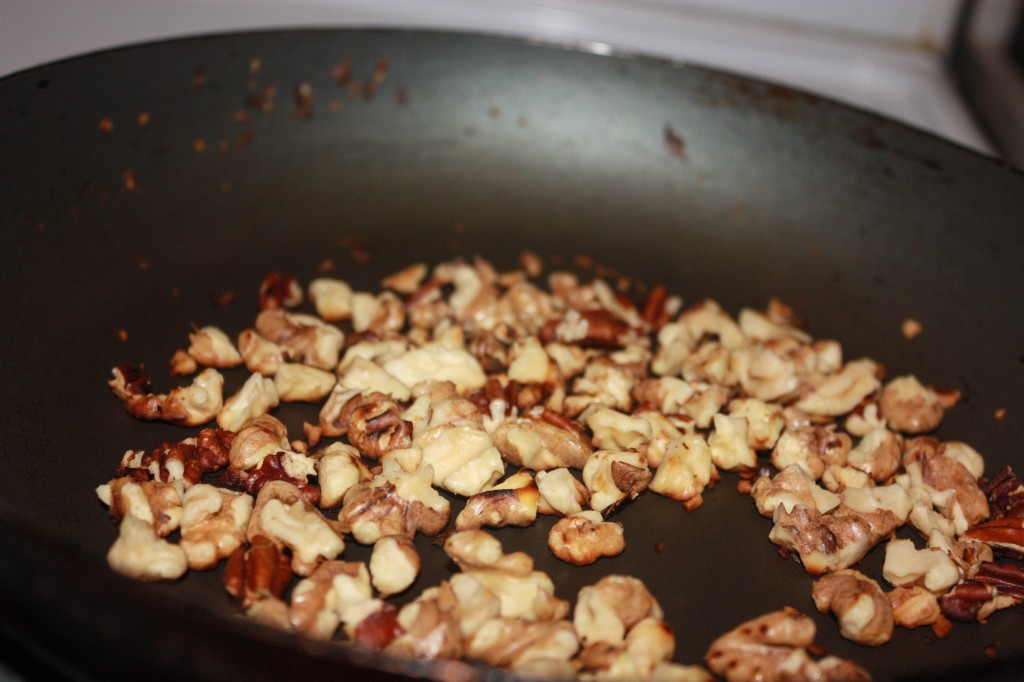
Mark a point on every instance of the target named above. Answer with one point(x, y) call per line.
point(204, 181)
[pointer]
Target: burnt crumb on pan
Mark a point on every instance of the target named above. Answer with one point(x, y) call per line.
point(142, 119)
point(106, 125)
point(303, 92)
point(342, 71)
point(199, 79)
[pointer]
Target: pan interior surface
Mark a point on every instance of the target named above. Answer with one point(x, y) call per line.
point(141, 185)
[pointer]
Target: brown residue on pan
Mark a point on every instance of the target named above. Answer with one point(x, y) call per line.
point(674, 143)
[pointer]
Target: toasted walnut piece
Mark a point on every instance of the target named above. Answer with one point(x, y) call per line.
point(864, 419)
point(211, 347)
point(764, 421)
point(823, 542)
point(728, 443)
point(837, 477)
point(840, 393)
point(865, 616)
point(910, 407)
point(394, 564)
point(612, 476)
point(605, 382)
point(649, 644)
point(182, 364)
point(585, 537)
point(260, 355)
point(560, 492)
point(516, 643)
point(296, 382)
point(213, 523)
point(155, 502)
point(257, 397)
point(375, 425)
point(263, 436)
point(366, 376)
point(765, 326)
point(788, 488)
point(914, 606)
point(765, 372)
point(331, 297)
point(462, 457)
point(139, 553)
point(529, 362)
point(608, 609)
point(381, 314)
point(315, 602)
point(257, 571)
point(511, 503)
point(945, 473)
point(270, 611)
point(434, 361)
point(906, 565)
point(614, 430)
point(191, 405)
point(773, 647)
point(305, 338)
point(479, 550)
point(878, 454)
point(339, 468)
point(279, 290)
point(430, 629)
point(407, 280)
point(394, 502)
point(538, 444)
point(282, 514)
point(685, 471)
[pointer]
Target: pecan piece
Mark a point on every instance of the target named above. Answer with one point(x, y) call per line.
point(994, 587)
point(256, 571)
point(1005, 535)
point(1005, 494)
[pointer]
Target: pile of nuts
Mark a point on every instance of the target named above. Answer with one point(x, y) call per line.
point(567, 400)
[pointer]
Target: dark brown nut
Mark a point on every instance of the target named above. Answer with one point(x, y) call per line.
point(772, 648)
point(186, 460)
point(375, 426)
point(994, 587)
point(256, 571)
point(1005, 494)
point(1005, 535)
point(379, 629)
point(279, 290)
point(865, 616)
point(272, 468)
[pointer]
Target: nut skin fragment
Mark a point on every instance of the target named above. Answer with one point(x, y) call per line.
point(865, 616)
point(581, 539)
point(773, 647)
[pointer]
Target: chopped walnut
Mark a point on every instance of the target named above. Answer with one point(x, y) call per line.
point(366, 376)
point(305, 338)
point(315, 600)
point(437, 362)
point(332, 298)
point(513, 502)
point(429, 627)
point(213, 523)
point(157, 503)
point(812, 447)
point(878, 454)
point(462, 457)
point(774, 647)
point(686, 471)
point(728, 443)
point(823, 542)
point(296, 382)
point(914, 606)
point(263, 436)
point(540, 445)
point(211, 347)
point(841, 392)
point(394, 502)
point(339, 468)
point(585, 537)
point(788, 488)
point(394, 564)
point(613, 430)
point(910, 407)
point(282, 514)
point(906, 565)
point(139, 553)
point(560, 492)
point(519, 645)
point(257, 397)
point(608, 609)
point(191, 405)
point(182, 364)
point(865, 615)
point(612, 476)
point(260, 355)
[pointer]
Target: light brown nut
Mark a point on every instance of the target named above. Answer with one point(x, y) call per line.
point(394, 564)
point(914, 606)
point(257, 397)
point(790, 487)
point(394, 502)
point(284, 515)
point(428, 628)
point(157, 503)
point(878, 454)
point(613, 476)
point(648, 646)
point(822, 542)
point(608, 609)
point(685, 471)
point(305, 338)
point(182, 364)
point(213, 524)
point(906, 565)
point(211, 347)
point(910, 407)
point(728, 444)
point(864, 614)
point(946, 473)
point(331, 297)
point(839, 393)
point(813, 447)
point(461, 456)
point(139, 553)
point(515, 643)
point(560, 492)
point(296, 382)
point(583, 538)
point(774, 647)
point(339, 468)
point(191, 405)
point(542, 442)
point(375, 425)
point(264, 435)
point(513, 502)
point(260, 355)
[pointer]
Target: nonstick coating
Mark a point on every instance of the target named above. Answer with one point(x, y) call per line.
point(714, 185)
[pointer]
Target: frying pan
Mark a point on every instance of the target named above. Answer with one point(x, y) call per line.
point(143, 187)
